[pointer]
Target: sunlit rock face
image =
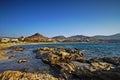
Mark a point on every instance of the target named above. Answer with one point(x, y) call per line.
point(58, 55)
point(69, 62)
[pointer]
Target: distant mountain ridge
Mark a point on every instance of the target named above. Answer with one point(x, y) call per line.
point(58, 38)
point(111, 37)
point(37, 37)
point(76, 38)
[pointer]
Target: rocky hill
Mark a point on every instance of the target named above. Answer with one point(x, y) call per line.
point(36, 38)
point(76, 38)
point(60, 38)
point(81, 38)
point(110, 37)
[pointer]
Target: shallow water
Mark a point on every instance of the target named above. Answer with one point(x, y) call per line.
point(91, 50)
point(31, 65)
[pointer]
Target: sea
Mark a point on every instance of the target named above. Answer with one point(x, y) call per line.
point(91, 50)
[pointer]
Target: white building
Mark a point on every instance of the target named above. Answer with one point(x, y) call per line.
point(5, 40)
point(14, 40)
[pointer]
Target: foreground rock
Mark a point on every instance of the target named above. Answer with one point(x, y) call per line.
point(22, 61)
point(17, 48)
point(17, 75)
point(112, 60)
point(58, 55)
point(113, 74)
point(69, 63)
point(79, 69)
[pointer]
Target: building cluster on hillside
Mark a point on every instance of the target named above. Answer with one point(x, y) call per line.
point(12, 40)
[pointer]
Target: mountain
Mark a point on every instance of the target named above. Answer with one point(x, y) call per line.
point(76, 38)
point(111, 37)
point(82, 38)
point(59, 38)
point(36, 38)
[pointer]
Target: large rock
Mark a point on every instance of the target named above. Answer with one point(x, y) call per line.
point(80, 69)
point(57, 55)
point(112, 60)
point(70, 64)
point(10, 75)
point(22, 61)
point(113, 74)
point(18, 75)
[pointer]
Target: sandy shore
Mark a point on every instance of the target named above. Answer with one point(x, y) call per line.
point(3, 50)
point(3, 47)
point(19, 75)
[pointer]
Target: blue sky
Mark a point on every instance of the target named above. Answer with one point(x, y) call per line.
point(59, 17)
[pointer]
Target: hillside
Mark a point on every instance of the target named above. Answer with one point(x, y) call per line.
point(82, 38)
point(76, 38)
point(59, 38)
point(111, 37)
point(36, 38)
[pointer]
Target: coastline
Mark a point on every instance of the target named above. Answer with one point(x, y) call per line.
point(107, 64)
point(4, 46)
point(3, 50)
point(16, 74)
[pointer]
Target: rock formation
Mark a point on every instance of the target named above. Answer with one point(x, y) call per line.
point(58, 55)
point(70, 62)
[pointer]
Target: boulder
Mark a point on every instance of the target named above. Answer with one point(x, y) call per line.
point(51, 58)
point(12, 56)
point(22, 61)
point(17, 48)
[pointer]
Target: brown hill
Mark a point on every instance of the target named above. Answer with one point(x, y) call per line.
point(36, 38)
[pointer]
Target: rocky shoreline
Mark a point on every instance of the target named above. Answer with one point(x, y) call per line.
point(22, 73)
point(70, 63)
point(65, 64)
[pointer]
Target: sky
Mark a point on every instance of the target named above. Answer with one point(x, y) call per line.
point(59, 17)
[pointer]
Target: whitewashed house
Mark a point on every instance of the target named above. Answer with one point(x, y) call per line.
point(14, 40)
point(5, 40)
